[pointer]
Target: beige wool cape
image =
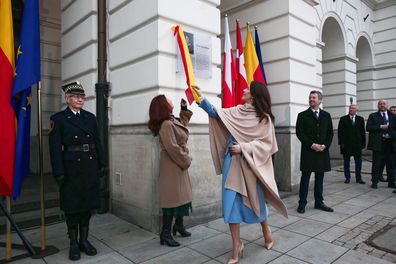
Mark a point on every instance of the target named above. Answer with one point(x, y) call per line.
point(258, 143)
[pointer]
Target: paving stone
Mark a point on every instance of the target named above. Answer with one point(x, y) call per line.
point(183, 255)
point(389, 257)
point(198, 233)
point(331, 218)
point(308, 227)
point(285, 240)
point(332, 233)
point(214, 246)
point(317, 251)
point(130, 238)
point(284, 259)
point(218, 225)
point(356, 257)
point(145, 251)
point(280, 221)
point(253, 254)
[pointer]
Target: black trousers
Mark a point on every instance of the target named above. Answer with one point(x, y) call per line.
point(304, 185)
point(74, 220)
point(380, 160)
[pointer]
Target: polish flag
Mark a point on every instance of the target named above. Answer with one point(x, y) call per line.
point(229, 74)
point(241, 83)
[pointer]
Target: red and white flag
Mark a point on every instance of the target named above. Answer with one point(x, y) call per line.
point(241, 83)
point(229, 74)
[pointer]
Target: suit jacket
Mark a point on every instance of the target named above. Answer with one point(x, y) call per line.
point(310, 130)
point(80, 189)
point(351, 136)
point(374, 121)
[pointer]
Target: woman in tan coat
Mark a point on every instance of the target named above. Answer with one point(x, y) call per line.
point(174, 183)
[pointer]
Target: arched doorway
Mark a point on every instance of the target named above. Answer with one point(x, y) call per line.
point(365, 77)
point(338, 70)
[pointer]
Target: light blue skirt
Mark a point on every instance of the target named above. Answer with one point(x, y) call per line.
point(234, 211)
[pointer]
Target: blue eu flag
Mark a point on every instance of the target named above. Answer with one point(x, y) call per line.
point(27, 74)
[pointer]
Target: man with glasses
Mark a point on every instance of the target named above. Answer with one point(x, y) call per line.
point(76, 159)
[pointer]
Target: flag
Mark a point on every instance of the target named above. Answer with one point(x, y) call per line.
point(229, 75)
point(253, 71)
point(27, 74)
point(241, 83)
point(7, 117)
point(258, 51)
point(188, 69)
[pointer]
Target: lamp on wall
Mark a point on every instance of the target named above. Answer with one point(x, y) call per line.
point(351, 100)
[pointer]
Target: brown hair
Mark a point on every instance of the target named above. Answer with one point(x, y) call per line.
point(159, 111)
point(261, 100)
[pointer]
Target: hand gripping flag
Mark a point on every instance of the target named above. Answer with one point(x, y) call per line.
point(27, 74)
point(7, 116)
point(229, 75)
point(188, 69)
point(241, 83)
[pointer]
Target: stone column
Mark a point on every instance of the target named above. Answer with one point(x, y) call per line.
point(142, 64)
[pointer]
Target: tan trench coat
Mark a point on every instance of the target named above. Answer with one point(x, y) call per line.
point(174, 183)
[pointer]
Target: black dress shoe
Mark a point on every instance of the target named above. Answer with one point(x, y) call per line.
point(390, 185)
point(394, 191)
point(301, 210)
point(347, 181)
point(324, 208)
point(360, 181)
point(374, 186)
point(382, 179)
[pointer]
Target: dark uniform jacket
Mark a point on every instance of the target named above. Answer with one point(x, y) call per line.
point(374, 121)
point(77, 154)
point(351, 136)
point(310, 130)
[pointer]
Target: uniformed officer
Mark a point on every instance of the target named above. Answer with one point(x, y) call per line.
point(77, 160)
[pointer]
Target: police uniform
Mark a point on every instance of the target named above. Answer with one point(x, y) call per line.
point(77, 159)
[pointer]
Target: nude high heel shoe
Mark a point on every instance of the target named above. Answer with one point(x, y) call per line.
point(240, 255)
point(268, 244)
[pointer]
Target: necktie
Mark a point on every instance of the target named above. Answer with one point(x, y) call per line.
point(317, 114)
point(78, 115)
point(385, 121)
point(353, 120)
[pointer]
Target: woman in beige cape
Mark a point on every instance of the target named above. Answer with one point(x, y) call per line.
point(242, 141)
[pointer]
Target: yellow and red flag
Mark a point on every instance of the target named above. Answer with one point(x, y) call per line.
point(241, 83)
point(253, 70)
point(188, 69)
point(7, 116)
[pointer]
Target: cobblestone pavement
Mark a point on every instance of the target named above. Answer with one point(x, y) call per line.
point(314, 237)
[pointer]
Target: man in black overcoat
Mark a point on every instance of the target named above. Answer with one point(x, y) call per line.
point(379, 126)
point(314, 129)
point(352, 139)
point(77, 160)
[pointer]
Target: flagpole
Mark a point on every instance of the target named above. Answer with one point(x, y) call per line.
point(8, 232)
point(40, 147)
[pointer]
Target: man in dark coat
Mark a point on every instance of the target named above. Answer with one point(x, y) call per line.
point(77, 159)
point(314, 129)
point(380, 142)
point(352, 139)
